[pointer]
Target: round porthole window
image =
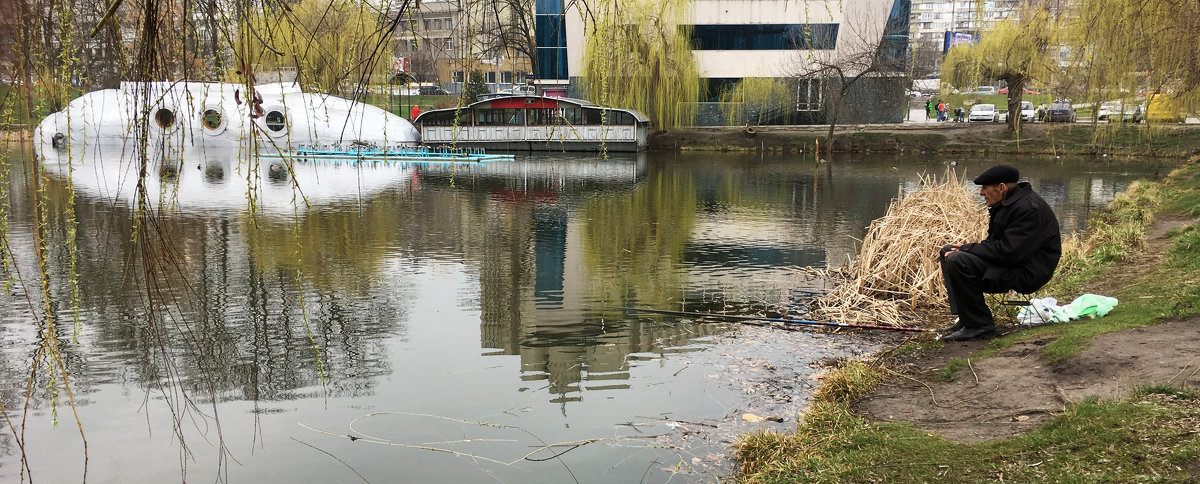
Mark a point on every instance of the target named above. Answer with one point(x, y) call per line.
point(276, 121)
point(165, 118)
point(211, 119)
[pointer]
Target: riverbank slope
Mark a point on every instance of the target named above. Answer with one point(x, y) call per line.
point(1114, 399)
point(1177, 140)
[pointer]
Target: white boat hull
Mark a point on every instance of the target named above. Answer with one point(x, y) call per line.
point(177, 117)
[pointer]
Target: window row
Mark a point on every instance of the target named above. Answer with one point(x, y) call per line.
point(413, 45)
point(489, 77)
point(529, 117)
point(438, 23)
point(213, 119)
point(764, 36)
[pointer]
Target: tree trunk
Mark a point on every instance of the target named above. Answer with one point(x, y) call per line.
point(1016, 86)
point(832, 124)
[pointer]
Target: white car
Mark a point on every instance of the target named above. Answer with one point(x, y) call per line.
point(1028, 112)
point(984, 112)
point(1121, 111)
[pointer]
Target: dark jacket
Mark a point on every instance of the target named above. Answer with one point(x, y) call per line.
point(1023, 243)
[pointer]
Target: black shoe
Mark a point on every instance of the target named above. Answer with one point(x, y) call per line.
point(958, 324)
point(964, 334)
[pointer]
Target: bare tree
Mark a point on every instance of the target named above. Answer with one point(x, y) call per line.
point(865, 51)
point(515, 32)
point(925, 58)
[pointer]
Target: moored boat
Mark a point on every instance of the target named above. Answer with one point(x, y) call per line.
point(535, 123)
point(177, 116)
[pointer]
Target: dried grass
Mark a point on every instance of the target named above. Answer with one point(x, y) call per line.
point(896, 272)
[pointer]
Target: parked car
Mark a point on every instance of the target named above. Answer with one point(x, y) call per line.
point(1163, 108)
point(984, 112)
point(1023, 91)
point(986, 90)
point(1121, 111)
point(1060, 111)
point(432, 91)
point(1028, 112)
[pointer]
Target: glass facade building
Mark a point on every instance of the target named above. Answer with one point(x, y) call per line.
point(551, 36)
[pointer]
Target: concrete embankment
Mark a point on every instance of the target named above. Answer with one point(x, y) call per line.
point(1173, 141)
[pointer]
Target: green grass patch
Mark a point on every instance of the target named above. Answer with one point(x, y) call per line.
point(952, 368)
point(1170, 391)
point(909, 348)
point(1184, 254)
point(852, 380)
point(1186, 200)
point(401, 105)
point(1148, 438)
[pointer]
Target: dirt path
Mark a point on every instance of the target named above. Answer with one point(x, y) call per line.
point(1016, 390)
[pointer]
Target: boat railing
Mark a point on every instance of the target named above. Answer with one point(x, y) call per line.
point(343, 152)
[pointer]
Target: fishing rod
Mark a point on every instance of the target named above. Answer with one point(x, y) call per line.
point(764, 318)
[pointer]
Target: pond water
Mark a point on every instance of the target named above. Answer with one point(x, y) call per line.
point(432, 323)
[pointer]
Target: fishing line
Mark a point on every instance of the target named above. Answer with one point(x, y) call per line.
point(765, 318)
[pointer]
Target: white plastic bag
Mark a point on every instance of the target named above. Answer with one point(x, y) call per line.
point(1039, 311)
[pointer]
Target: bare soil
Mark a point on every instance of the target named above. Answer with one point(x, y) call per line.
point(1016, 390)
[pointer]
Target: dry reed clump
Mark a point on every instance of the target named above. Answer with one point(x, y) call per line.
point(897, 270)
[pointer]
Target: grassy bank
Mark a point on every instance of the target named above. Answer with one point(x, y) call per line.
point(1178, 141)
point(1150, 436)
point(1143, 439)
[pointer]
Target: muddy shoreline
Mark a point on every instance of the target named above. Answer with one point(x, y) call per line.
point(776, 371)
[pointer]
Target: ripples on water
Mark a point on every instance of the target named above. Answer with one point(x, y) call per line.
point(460, 307)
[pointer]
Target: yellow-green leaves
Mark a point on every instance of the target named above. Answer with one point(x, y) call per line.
point(637, 57)
point(756, 99)
point(332, 44)
point(1132, 46)
point(1011, 49)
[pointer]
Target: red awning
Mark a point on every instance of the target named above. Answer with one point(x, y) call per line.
point(523, 102)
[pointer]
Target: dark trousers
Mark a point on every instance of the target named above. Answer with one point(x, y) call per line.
point(967, 280)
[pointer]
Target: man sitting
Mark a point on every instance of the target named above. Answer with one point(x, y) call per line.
point(1020, 253)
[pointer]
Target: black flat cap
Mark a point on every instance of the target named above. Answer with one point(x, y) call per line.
point(998, 174)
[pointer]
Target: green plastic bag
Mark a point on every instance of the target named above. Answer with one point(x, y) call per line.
point(1091, 306)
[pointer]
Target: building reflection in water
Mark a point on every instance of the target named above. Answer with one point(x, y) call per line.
point(552, 238)
point(584, 235)
point(210, 297)
point(527, 307)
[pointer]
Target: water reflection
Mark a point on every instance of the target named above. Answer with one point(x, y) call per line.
point(202, 181)
point(469, 289)
point(548, 238)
